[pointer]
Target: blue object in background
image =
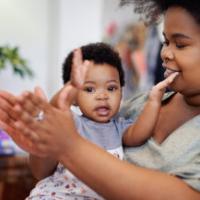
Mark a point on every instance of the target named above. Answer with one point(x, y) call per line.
point(7, 146)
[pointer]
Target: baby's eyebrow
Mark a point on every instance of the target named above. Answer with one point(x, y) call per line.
point(89, 82)
point(112, 81)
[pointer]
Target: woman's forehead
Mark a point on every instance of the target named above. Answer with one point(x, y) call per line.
point(180, 20)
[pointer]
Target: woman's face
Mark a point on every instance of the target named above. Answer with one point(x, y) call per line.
point(181, 50)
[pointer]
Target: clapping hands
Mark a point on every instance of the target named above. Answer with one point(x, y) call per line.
point(47, 136)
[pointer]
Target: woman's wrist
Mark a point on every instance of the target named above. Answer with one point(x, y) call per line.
point(70, 150)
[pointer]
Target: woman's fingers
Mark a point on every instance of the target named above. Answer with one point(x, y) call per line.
point(8, 128)
point(67, 97)
point(40, 93)
point(4, 116)
point(6, 107)
point(5, 104)
point(32, 104)
point(11, 99)
point(37, 136)
point(45, 136)
point(26, 131)
point(26, 105)
point(13, 108)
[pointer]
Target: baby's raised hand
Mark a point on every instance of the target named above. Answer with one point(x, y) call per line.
point(79, 69)
point(66, 96)
point(159, 89)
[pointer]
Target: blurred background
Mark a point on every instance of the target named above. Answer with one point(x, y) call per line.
point(36, 36)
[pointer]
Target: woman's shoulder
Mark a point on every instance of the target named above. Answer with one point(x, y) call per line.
point(132, 107)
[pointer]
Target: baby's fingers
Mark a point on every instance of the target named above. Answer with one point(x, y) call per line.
point(77, 57)
point(165, 83)
point(172, 77)
point(79, 69)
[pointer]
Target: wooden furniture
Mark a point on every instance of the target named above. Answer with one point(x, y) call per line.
point(16, 179)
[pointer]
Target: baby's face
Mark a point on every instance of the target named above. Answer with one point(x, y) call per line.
point(100, 97)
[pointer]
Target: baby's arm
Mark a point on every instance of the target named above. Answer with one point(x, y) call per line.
point(63, 99)
point(142, 129)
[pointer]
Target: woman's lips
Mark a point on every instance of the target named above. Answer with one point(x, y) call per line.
point(169, 71)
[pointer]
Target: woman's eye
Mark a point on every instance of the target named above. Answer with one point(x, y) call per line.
point(89, 89)
point(180, 46)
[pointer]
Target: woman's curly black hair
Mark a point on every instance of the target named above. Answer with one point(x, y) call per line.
point(99, 53)
point(153, 9)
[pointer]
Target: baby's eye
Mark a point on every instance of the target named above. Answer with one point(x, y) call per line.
point(112, 88)
point(89, 89)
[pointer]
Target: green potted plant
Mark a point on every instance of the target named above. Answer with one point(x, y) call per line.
point(9, 56)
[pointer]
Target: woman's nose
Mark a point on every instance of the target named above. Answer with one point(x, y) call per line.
point(167, 54)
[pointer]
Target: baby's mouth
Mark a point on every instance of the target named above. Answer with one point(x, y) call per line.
point(102, 110)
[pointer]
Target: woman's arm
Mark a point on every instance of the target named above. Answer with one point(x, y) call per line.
point(109, 176)
point(116, 179)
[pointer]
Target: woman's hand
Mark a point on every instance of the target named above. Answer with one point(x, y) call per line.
point(7, 121)
point(65, 97)
point(48, 135)
point(43, 138)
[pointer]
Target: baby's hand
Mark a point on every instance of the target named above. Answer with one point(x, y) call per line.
point(79, 69)
point(67, 95)
point(158, 90)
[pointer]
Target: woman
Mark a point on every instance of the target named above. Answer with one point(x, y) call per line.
point(168, 165)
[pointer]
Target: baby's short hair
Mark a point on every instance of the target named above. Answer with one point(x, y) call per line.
point(98, 53)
